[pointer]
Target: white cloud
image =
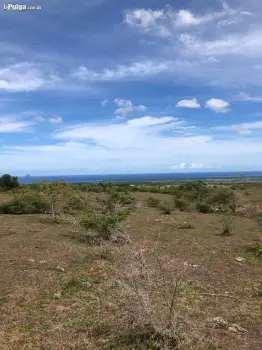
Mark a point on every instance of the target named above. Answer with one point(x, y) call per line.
point(14, 126)
point(185, 18)
point(24, 77)
point(188, 166)
point(196, 166)
point(126, 107)
point(243, 129)
point(163, 22)
point(224, 50)
point(180, 166)
point(39, 118)
point(143, 18)
point(56, 120)
point(217, 105)
point(188, 103)
point(137, 70)
point(240, 130)
point(104, 103)
point(126, 146)
point(149, 121)
point(243, 96)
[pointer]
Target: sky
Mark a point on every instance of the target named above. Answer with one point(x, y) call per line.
point(112, 87)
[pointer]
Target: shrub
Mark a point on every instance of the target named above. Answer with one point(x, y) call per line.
point(166, 208)
point(24, 204)
point(221, 196)
point(181, 204)
point(203, 207)
point(257, 249)
point(104, 224)
point(153, 201)
point(8, 182)
point(227, 225)
point(122, 198)
point(185, 226)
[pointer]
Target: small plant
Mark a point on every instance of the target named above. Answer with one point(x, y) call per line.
point(153, 202)
point(181, 204)
point(227, 225)
point(257, 249)
point(166, 208)
point(185, 226)
point(203, 207)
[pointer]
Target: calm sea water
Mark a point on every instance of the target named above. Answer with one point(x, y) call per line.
point(138, 177)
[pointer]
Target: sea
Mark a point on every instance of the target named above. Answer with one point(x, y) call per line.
point(141, 177)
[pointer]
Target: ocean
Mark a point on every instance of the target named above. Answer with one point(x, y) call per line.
point(139, 177)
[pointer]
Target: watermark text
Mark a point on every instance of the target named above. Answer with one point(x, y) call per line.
point(20, 7)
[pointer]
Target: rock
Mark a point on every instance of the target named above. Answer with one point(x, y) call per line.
point(240, 259)
point(236, 328)
point(57, 295)
point(220, 321)
point(42, 262)
point(61, 308)
point(31, 260)
point(61, 269)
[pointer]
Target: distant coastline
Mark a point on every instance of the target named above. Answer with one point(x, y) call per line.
point(240, 176)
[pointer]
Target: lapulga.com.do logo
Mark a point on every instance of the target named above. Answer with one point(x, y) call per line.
point(20, 7)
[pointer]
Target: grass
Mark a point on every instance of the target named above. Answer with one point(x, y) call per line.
point(113, 296)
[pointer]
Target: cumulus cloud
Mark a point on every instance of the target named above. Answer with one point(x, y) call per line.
point(144, 18)
point(126, 107)
point(219, 53)
point(217, 105)
point(164, 21)
point(188, 103)
point(56, 120)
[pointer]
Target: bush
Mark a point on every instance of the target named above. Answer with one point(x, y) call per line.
point(123, 198)
point(203, 207)
point(8, 182)
point(222, 196)
point(24, 204)
point(181, 204)
point(227, 226)
point(104, 224)
point(166, 208)
point(257, 249)
point(153, 201)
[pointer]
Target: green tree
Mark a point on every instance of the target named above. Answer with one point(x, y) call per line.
point(8, 182)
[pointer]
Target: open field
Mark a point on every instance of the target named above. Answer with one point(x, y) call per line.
point(180, 281)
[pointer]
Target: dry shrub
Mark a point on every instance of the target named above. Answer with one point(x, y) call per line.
point(151, 288)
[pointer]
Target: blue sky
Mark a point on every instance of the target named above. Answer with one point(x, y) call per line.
point(131, 86)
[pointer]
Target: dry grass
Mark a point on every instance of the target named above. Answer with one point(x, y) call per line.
point(165, 288)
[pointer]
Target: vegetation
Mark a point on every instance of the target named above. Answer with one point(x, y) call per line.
point(203, 207)
point(153, 201)
point(8, 182)
point(131, 267)
point(181, 204)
